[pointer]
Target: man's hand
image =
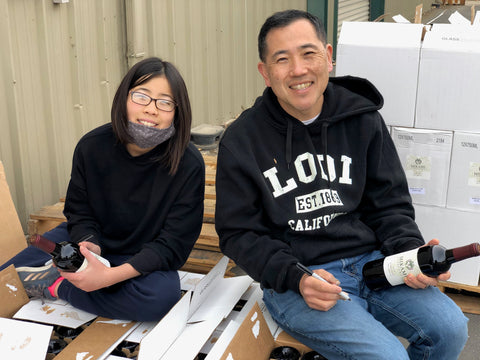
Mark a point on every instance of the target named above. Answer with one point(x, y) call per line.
point(422, 281)
point(318, 294)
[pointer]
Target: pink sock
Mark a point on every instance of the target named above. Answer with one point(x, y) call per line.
point(51, 288)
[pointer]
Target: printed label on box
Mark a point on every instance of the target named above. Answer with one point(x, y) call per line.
point(418, 167)
point(417, 190)
point(474, 174)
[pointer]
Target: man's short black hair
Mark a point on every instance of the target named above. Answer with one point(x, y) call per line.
point(285, 18)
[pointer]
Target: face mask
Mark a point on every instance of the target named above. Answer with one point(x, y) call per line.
point(147, 137)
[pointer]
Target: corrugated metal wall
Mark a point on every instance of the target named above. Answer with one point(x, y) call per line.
point(352, 10)
point(212, 42)
point(60, 65)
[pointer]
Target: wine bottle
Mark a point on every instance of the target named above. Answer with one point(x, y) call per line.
point(313, 355)
point(66, 255)
point(284, 353)
point(431, 260)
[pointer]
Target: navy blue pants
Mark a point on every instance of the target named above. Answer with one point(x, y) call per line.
point(143, 298)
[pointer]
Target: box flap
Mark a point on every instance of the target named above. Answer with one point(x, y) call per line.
point(168, 329)
point(13, 238)
point(207, 317)
point(380, 34)
point(23, 340)
point(452, 37)
point(55, 312)
point(207, 284)
point(254, 332)
point(94, 341)
point(12, 293)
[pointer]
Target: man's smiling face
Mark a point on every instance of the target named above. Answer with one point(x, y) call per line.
point(296, 67)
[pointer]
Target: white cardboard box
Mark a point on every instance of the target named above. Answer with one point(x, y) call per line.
point(464, 180)
point(182, 333)
point(387, 54)
point(425, 157)
point(449, 80)
point(453, 228)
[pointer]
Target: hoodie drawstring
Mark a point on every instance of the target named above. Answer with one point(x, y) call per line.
point(288, 143)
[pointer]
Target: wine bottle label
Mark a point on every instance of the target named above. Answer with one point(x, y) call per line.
point(396, 267)
point(85, 262)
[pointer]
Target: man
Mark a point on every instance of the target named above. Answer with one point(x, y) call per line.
point(310, 175)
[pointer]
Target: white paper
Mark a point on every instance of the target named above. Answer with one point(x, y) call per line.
point(208, 316)
point(459, 19)
point(208, 284)
point(400, 19)
point(222, 300)
point(23, 340)
point(141, 331)
point(190, 280)
point(476, 21)
point(157, 341)
point(54, 312)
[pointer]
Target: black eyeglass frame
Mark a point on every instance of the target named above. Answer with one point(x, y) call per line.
point(152, 99)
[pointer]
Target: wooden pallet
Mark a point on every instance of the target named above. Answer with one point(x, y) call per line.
point(465, 296)
point(206, 252)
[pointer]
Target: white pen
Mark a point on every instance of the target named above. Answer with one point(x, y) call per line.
point(307, 271)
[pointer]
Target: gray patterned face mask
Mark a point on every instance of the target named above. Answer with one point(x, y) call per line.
point(147, 137)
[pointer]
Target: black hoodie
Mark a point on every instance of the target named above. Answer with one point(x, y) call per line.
point(289, 192)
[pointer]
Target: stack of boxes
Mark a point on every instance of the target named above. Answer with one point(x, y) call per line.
point(429, 78)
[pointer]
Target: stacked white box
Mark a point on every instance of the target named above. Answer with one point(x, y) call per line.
point(387, 54)
point(425, 156)
point(453, 228)
point(449, 80)
point(464, 180)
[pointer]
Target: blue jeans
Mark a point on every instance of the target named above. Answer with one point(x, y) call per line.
point(143, 298)
point(367, 327)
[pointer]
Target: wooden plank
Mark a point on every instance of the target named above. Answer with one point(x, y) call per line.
point(451, 285)
point(208, 239)
point(210, 192)
point(210, 160)
point(202, 261)
point(36, 226)
point(52, 212)
point(460, 294)
point(468, 304)
point(209, 211)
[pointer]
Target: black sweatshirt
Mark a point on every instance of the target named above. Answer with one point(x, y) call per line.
point(289, 192)
point(132, 205)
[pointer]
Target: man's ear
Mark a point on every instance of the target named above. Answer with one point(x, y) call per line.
point(329, 49)
point(262, 69)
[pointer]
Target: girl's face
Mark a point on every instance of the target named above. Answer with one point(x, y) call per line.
point(150, 104)
point(159, 113)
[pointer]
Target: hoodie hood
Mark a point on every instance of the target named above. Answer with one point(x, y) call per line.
point(344, 97)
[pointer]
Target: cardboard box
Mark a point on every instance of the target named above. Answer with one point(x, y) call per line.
point(464, 180)
point(387, 54)
point(12, 240)
point(254, 340)
point(453, 228)
point(447, 96)
point(189, 324)
point(425, 157)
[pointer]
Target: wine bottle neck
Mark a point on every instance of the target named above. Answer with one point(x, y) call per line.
point(44, 244)
point(463, 252)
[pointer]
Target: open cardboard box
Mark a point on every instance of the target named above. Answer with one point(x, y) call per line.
point(254, 339)
point(12, 239)
point(189, 324)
